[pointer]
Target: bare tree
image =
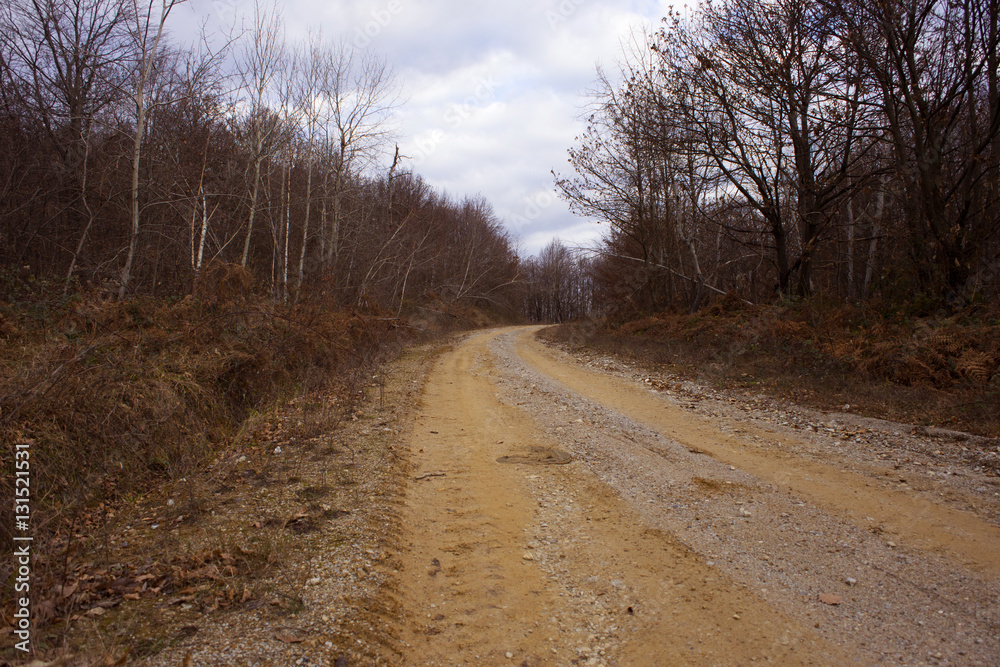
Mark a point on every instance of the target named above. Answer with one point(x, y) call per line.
point(170, 162)
point(311, 108)
point(362, 94)
point(777, 102)
point(147, 32)
point(260, 59)
point(558, 285)
point(935, 65)
point(65, 60)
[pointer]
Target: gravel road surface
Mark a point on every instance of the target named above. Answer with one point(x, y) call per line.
point(567, 510)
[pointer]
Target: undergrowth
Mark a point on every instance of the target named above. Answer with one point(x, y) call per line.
point(934, 370)
point(115, 397)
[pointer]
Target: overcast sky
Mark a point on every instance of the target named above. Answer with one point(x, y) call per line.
point(493, 89)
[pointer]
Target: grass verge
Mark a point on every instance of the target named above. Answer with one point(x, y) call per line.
point(933, 371)
point(116, 399)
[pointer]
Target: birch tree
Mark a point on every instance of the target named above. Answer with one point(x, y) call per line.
point(362, 94)
point(261, 58)
point(147, 31)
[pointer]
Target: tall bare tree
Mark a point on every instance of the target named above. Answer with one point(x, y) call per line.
point(147, 31)
point(776, 98)
point(362, 94)
point(66, 60)
point(934, 64)
point(260, 58)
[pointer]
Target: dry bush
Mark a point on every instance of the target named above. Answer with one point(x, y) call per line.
point(114, 396)
point(944, 370)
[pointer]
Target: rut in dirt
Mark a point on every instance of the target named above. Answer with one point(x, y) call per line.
point(562, 516)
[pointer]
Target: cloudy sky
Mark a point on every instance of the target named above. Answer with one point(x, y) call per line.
point(494, 89)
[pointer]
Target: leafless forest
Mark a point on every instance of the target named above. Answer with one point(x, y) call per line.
point(765, 150)
point(794, 148)
point(131, 163)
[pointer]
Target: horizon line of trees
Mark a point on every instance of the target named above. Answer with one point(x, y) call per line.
point(130, 163)
point(795, 147)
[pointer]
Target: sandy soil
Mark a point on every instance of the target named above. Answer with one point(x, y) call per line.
point(503, 502)
point(568, 513)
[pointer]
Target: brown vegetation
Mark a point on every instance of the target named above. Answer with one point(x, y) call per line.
point(130, 165)
point(843, 154)
point(115, 397)
point(183, 247)
point(933, 371)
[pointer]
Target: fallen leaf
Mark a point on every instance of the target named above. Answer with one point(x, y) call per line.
point(97, 611)
point(287, 637)
point(830, 599)
point(207, 572)
point(45, 609)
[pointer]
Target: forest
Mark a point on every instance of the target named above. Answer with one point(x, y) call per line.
point(796, 148)
point(131, 163)
point(192, 234)
point(800, 194)
point(761, 150)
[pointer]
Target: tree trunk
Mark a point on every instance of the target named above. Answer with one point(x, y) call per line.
point(140, 128)
point(253, 208)
point(305, 230)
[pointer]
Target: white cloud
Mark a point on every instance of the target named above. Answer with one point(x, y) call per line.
point(493, 89)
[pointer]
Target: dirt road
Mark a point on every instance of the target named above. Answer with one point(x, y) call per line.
point(562, 514)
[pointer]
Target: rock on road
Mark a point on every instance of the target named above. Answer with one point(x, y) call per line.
point(559, 514)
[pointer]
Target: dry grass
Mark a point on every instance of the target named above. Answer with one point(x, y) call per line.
point(926, 370)
point(116, 398)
